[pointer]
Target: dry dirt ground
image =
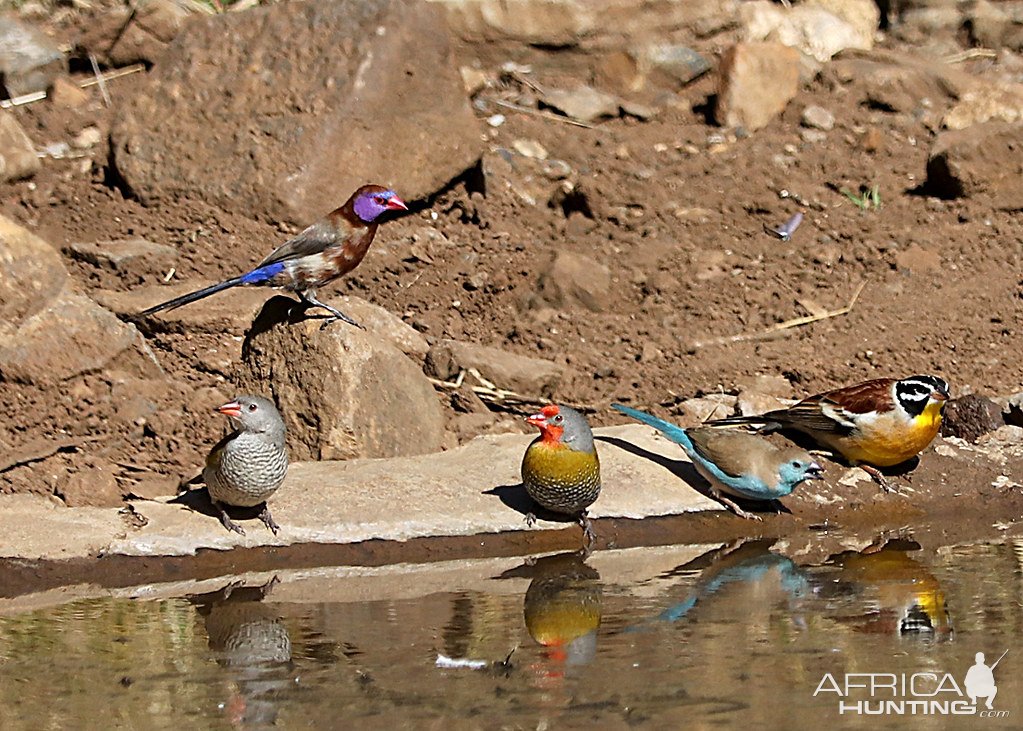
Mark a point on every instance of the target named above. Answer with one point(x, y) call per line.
point(673, 206)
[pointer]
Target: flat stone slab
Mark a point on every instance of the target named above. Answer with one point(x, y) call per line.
point(474, 489)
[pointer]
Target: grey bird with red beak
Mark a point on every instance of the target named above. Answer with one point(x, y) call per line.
point(248, 465)
point(326, 250)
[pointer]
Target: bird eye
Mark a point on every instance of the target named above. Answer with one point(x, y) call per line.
point(797, 464)
point(558, 419)
point(252, 407)
point(380, 200)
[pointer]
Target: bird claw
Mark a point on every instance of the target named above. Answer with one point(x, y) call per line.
point(530, 520)
point(589, 535)
point(230, 524)
point(879, 478)
point(268, 520)
point(731, 505)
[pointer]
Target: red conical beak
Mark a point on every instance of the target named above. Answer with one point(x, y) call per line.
point(537, 420)
point(231, 408)
point(396, 204)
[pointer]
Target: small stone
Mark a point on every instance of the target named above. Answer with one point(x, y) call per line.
point(17, 154)
point(758, 80)
point(575, 279)
point(755, 404)
point(530, 148)
point(584, 103)
point(818, 118)
point(495, 120)
point(67, 94)
point(813, 136)
point(525, 375)
point(88, 137)
point(473, 79)
point(696, 411)
point(970, 417)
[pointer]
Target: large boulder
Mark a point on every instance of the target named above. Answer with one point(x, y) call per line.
point(17, 155)
point(48, 333)
point(295, 105)
point(343, 392)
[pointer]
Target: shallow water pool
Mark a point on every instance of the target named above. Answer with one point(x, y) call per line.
point(682, 636)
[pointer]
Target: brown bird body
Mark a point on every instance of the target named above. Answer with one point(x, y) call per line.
point(560, 469)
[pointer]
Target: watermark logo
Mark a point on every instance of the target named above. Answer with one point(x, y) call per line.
point(925, 693)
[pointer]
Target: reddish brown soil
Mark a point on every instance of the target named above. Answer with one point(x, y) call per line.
point(678, 221)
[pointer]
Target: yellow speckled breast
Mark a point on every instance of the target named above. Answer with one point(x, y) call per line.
point(559, 478)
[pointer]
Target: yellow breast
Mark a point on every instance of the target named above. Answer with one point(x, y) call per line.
point(559, 478)
point(889, 439)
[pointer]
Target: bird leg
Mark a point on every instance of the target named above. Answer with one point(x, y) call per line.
point(309, 297)
point(589, 535)
point(268, 520)
point(876, 476)
point(731, 505)
point(226, 520)
point(530, 520)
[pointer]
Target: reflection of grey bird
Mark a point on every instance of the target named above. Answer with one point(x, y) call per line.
point(253, 646)
point(247, 466)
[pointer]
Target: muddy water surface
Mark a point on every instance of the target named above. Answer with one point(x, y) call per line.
point(671, 637)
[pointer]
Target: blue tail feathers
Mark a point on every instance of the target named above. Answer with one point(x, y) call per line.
point(675, 433)
point(263, 274)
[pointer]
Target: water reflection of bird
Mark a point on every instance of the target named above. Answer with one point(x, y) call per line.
point(901, 595)
point(562, 609)
point(748, 563)
point(252, 644)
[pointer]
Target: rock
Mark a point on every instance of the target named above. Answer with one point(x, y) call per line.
point(355, 72)
point(996, 26)
point(583, 103)
point(153, 486)
point(31, 274)
point(530, 148)
point(818, 118)
point(575, 279)
point(527, 376)
point(818, 29)
point(752, 403)
point(557, 23)
point(67, 94)
point(134, 260)
point(87, 138)
point(757, 82)
point(70, 336)
point(695, 411)
point(474, 80)
point(139, 34)
point(93, 485)
point(17, 154)
point(1013, 411)
point(344, 392)
point(970, 417)
point(665, 65)
point(384, 324)
point(983, 160)
point(232, 311)
point(986, 101)
point(29, 59)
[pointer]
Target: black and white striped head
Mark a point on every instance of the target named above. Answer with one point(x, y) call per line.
point(916, 393)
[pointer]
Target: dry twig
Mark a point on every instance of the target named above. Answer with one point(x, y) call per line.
point(781, 326)
point(541, 113)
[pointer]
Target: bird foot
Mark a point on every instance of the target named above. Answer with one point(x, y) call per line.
point(589, 535)
point(335, 318)
point(731, 505)
point(878, 477)
point(227, 522)
point(268, 520)
point(530, 520)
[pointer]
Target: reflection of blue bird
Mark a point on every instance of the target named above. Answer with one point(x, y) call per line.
point(737, 463)
point(330, 248)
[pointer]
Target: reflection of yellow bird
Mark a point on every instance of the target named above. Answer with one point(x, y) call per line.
point(878, 423)
point(562, 608)
point(906, 597)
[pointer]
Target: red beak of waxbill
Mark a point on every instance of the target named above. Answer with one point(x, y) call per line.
point(231, 408)
point(396, 204)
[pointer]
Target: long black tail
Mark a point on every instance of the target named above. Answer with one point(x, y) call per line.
point(197, 295)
